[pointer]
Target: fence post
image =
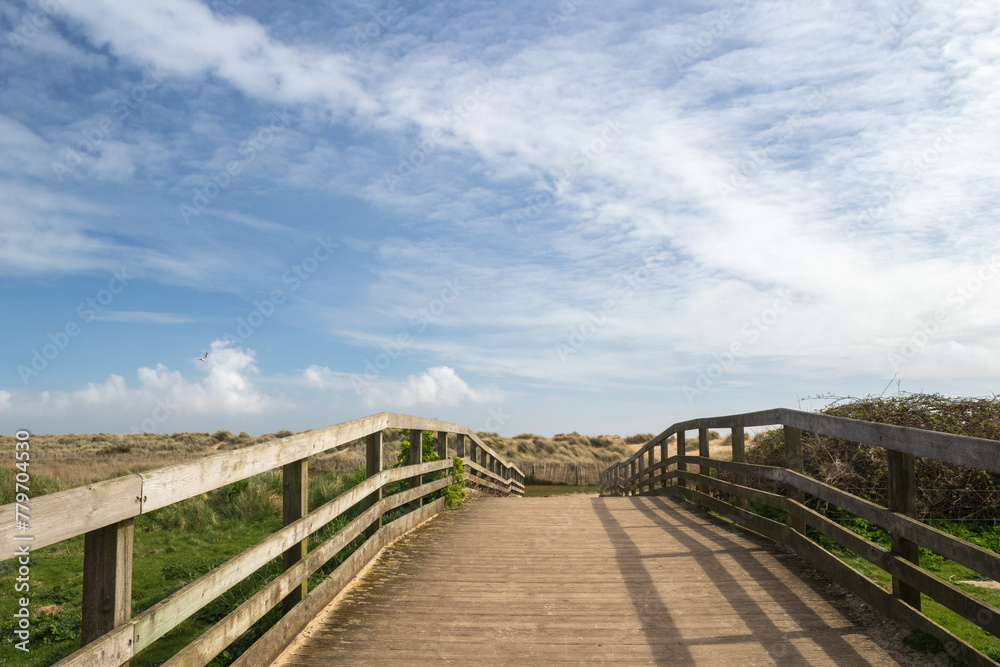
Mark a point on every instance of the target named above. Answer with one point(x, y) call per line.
point(460, 445)
point(793, 461)
point(649, 466)
point(681, 466)
point(107, 580)
point(903, 500)
point(416, 458)
point(704, 453)
point(664, 455)
point(295, 505)
point(739, 456)
point(632, 477)
point(373, 466)
point(442, 445)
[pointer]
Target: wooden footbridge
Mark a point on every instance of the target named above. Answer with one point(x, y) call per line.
point(640, 575)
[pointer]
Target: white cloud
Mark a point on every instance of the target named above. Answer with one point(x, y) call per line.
point(161, 395)
point(184, 37)
point(438, 386)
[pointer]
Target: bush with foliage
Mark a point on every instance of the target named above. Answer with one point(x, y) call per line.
point(945, 491)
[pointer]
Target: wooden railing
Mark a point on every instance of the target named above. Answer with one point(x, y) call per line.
point(642, 474)
point(105, 512)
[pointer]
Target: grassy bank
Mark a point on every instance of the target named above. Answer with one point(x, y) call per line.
point(961, 501)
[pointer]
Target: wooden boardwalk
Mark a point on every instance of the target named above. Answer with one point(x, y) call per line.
point(581, 580)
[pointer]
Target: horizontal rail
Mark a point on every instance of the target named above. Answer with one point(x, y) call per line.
point(105, 511)
point(669, 475)
point(961, 450)
point(66, 514)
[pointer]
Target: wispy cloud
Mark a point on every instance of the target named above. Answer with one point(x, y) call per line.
point(137, 316)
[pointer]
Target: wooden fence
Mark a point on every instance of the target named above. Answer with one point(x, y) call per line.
point(545, 472)
point(105, 514)
point(640, 474)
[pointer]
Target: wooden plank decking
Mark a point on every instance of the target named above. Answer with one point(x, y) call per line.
point(581, 580)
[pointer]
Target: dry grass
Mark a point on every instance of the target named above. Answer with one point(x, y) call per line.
point(75, 459)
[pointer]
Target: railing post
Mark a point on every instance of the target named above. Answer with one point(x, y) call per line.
point(649, 466)
point(739, 456)
point(107, 580)
point(633, 477)
point(416, 458)
point(704, 453)
point(903, 500)
point(793, 461)
point(373, 466)
point(295, 505)
point(442, 445)
point(460, 445)
point(664, 455)
point(681, 466)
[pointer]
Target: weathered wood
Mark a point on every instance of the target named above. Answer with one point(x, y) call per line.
point(664, 454)
point(460, 445)
point(172, 484)
point(373, 466)
point(649, 465)
point(294, 506)
point(681, 453)
point(442, 444)
point(903, 500)
point(416, 457)
point(114, 648)
point(755, 495)
point(167, 614)
point(970, 555)
point(214, 640)
point(793, 461)
point(273, 642)
point(59, 516)
point(107, 580)
point(958, 449)
point(655, 585)
point(703, 451)
point(739, 456)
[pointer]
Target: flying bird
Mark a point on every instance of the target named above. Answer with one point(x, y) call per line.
point(204, 358)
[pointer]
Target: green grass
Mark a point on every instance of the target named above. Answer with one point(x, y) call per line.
point(984, 535)
point(536, 490)
point(172, 547)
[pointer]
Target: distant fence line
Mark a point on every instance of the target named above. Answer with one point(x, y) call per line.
point(536, 472)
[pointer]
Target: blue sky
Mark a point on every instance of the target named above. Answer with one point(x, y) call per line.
point(536, 217)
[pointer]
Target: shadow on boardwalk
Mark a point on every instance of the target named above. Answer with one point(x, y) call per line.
point(580, 580)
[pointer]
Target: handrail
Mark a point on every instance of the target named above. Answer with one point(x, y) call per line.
point(640, 474)
point(104, 512)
